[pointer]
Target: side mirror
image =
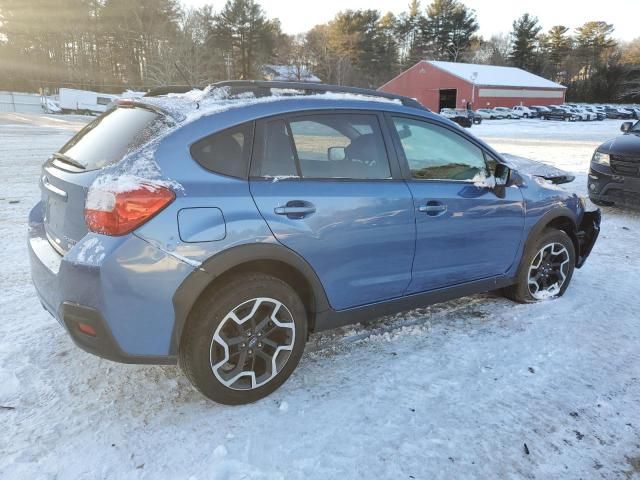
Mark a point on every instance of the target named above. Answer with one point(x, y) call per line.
point(502, 175)
point(626, 126)
point(336, 154)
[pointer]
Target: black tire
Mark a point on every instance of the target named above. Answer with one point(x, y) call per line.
point(211, 310)
point(520, 291)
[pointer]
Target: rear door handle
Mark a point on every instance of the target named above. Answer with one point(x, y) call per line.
point(433, 208)
point(296, 209)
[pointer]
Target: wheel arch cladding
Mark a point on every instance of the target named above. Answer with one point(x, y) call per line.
point(270, 259)
point(559, 219)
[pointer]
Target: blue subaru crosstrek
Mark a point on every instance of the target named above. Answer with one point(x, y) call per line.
point(218, 228)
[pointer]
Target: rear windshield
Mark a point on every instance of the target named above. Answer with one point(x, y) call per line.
point(110, 137)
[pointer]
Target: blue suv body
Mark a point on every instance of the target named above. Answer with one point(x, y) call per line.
point(222, 230)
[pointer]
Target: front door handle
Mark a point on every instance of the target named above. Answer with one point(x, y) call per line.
point(433, 208)
point(296, 209)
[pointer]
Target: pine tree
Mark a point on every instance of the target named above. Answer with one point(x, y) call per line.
point(449, 29)
point(524, 42)
point(243, 30)
point(594, 45)
point(410, 30)
point(557, 46)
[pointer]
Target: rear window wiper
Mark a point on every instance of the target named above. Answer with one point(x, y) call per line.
point(66, 159)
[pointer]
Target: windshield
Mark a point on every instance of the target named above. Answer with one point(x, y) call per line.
point(110, 137)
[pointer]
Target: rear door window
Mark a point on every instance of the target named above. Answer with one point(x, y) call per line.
point(323, 146)
point(110, 137)
point(227, 152)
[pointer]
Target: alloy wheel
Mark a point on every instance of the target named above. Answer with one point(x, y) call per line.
point(252, 343)
point(548, 271)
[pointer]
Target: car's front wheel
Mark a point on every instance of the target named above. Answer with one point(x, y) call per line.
point(546, 268)
point(243, 340)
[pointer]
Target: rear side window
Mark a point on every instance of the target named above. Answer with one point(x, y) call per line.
point(226, 152)
point(110, 137)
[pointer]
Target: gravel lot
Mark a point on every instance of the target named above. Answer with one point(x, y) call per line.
point(455, 390)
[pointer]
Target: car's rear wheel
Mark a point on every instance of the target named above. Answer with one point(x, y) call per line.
point(546, 268)
point(243, 341)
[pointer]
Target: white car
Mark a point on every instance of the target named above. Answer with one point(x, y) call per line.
point(485, 113)
point(504, 112)
point(525, 112)
point(585, 114)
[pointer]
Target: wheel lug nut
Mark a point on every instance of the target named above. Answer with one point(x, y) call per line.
point(243, 345)
point(259, 334)
point(250, 352)
point(259, 345)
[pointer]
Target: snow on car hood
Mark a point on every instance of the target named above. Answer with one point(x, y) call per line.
point(534, 168)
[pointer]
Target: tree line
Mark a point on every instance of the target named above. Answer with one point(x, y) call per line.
point(112, 45)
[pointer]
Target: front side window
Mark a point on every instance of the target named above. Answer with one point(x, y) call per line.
point(436, 153)
point(324, 146)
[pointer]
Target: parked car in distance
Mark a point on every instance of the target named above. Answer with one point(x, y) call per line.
point(585, 114)
point(617, 113)
point(507, 113)
point(539, 110)
point(524, 112)
point(217, 235)
point(600, 115)
point(614, 174)
point(485, 113)
point(459, 116)
point(475, 119)
point(560, 114)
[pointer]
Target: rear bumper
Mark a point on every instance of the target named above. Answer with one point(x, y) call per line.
point(102, 343)
point(121, 286)
point(588, 232)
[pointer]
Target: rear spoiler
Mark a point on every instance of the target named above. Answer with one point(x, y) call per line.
point(130, 103)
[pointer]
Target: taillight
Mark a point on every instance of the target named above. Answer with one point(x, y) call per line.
point(117, 213)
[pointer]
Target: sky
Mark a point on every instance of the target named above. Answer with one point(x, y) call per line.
point(494, 16)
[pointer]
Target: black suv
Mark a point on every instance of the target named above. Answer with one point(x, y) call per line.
point(560, 114)
point(614, 176)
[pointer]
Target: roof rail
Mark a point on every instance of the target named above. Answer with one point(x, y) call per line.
point(262, 88)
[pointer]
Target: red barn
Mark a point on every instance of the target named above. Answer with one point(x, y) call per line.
point(439, 85)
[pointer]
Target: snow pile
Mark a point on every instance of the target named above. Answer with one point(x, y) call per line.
point(195, 104)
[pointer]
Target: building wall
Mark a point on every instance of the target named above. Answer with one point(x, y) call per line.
point(423, 82)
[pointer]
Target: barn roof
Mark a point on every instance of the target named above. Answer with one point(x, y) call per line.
point(491, 75)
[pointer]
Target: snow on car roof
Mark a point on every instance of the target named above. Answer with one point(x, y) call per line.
point(491, 75)
point(190, 106)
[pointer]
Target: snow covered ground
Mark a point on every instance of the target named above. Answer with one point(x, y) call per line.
point(455, 390)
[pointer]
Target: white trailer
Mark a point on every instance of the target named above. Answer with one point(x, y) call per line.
point(84, 101)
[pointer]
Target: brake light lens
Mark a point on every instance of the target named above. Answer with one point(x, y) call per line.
point(118, 213)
